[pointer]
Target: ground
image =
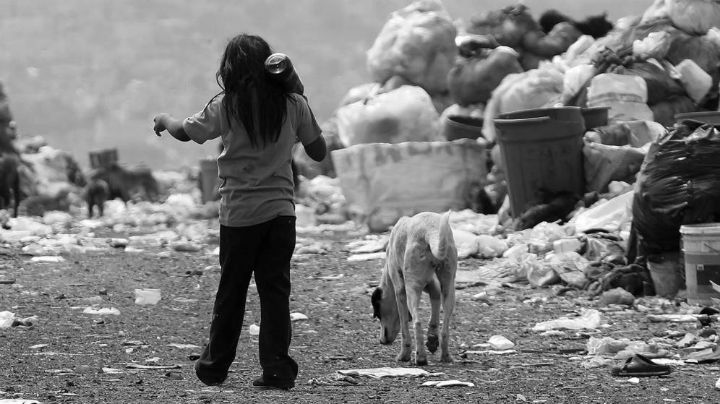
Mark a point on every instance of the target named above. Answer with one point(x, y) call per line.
point(68, 356)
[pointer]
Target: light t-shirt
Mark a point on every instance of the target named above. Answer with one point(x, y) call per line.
point(256, 183)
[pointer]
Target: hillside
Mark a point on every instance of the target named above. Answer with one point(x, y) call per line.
point(90, 74)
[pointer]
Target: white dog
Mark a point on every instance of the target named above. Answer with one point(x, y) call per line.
point(421, 255)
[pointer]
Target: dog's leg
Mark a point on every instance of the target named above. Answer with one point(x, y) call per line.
point(414, 293)
point(432, 336)
point(403, 313)
point(447, 285)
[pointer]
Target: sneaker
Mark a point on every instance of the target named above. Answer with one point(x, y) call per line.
point(209, 380)
point(273, 383)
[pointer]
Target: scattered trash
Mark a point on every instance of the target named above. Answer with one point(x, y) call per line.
point(676, 318)
point(367, 257)
point(446, 383)
point(102, 311)
point(617, 296)
point(38, 346)
point(112, 371)
point(500, 343)
point(6, 319)
point(298, 317)
point(183, 346)
point(48, 259)
point(589, 319)
point(151, 367)
point(147, 296)
point(254, 329)
point(378, 373)
point(334, 380)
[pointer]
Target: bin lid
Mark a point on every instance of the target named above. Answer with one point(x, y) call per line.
point(700, 229)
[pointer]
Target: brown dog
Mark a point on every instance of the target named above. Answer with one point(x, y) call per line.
point(421, 256)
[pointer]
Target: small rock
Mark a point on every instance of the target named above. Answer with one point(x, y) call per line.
point(617, 296)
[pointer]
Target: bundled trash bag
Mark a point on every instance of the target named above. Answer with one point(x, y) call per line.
point(625, 95)
point(417, 43)
point(401, 115)
point(508, 25)
point(695, 17)
point(472, 80)
point(679, 183)
point(616, 152)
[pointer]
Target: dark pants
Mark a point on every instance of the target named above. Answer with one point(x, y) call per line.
point(265, 250)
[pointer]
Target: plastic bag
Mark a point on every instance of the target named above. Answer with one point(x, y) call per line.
point(417, 43)
point(679, 183)
point(660, 85)
point(696, 81)
point(472, 80)
point(694, 16)
point(535, 88)
point(401, 115)
point(625, 95)
point(703, 50)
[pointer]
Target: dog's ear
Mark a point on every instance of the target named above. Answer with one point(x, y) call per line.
point(375, 300)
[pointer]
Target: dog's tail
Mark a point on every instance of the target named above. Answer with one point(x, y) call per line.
point(442, 240)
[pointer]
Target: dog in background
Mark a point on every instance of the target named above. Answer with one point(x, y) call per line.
point(421, 256)
point(97, 192)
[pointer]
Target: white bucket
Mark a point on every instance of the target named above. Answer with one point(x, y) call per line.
point(701, 247)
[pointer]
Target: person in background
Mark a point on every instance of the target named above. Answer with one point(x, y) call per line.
point(258, 121)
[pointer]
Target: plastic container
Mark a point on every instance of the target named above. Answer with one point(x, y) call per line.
point(595, 117)
point(701, 248)
point(461, 127)
point(209, 182)
point(541, 152)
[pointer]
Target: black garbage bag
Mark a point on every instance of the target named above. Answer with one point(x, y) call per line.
point(678, 183)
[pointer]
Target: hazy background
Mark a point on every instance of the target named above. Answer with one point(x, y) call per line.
point(91, 74)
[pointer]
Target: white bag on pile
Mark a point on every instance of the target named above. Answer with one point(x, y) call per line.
point(694, 16)
point(536, 88)
point(625, 95)
point(383, 182)
point(696, 81)
point(401, 115)
point(417, 43)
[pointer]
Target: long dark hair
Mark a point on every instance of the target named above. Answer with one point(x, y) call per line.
point(251, 97)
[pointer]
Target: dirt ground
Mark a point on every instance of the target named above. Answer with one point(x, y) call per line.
point(68, 356)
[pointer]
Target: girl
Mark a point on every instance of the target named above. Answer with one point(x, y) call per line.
point(258, 122)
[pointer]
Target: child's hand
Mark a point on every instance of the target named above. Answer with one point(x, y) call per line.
point(160, 125)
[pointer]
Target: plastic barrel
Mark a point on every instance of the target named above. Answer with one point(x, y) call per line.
point(209, 181)
point(595, 117)
point(462, 127)
point(701, 248)
point(541, 151)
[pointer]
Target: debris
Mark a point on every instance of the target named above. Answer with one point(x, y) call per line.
point(147, 296)
point(500, 343)
point(102, 311)
point(378, 373)
point(254, 329)
point(7, 281)
point(589, 319)
point(111, 371)
point(183, 346)
point(677, 318)
point(6, 319)
point(367, 257)
point(298, 317)
point(151, 367)
point(47, 259)
point(447, 383)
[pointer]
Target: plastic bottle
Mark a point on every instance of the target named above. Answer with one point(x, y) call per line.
point(281, 68)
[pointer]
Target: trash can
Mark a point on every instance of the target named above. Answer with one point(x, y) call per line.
point(461, 127)
point(208, 180)
point(103, 158)
point(595, 117)
point(541, 153)
point(701, 250)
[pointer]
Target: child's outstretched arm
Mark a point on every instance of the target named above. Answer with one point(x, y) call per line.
point(173, 125)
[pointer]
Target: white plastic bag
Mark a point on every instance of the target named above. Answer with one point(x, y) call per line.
point(402, 115)
point(416, 43)
point(694, 16)
point(626, 96)
point(696, 81)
